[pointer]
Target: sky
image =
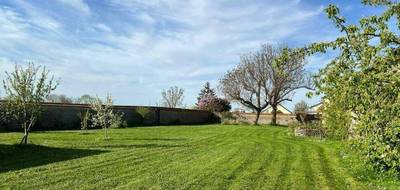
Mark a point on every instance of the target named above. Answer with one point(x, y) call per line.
point(134, 49)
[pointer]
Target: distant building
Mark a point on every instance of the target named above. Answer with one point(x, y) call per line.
point(316, 108)
point(280, 109)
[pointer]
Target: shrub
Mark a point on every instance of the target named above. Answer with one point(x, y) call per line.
point(143, 112)
point(84, 117)
point(117, 121)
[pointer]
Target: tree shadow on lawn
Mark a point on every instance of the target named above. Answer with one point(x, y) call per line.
point(16, 157)
point(143, 146)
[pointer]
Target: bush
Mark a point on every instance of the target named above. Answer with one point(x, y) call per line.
point(85, 118)
point(143, 112)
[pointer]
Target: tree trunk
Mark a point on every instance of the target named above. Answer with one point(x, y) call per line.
point(257, 117)
point(24, 139)
point(105, 133)
point(274, 109)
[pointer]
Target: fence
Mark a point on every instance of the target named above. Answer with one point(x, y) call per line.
point(57, 116)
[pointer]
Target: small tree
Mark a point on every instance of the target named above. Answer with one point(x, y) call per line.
point(300, 110)
point(206, 91)
point(214, 104)
point(173, 97)
point(26, 89)
point(301, 107)
point(103, 114)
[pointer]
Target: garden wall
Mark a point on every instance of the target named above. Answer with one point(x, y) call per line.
point(58, 116)
point(281, 119)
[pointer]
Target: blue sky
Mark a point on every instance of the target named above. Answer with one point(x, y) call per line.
point(133, 49)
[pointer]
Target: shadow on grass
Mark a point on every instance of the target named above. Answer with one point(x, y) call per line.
point(16, 157)
point(143, 146)
point(156, 139)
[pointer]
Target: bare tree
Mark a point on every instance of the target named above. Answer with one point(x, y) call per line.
point(26, 89)
point(249, 82)
point(173, 97)
point(287, 74)
point(266, 77)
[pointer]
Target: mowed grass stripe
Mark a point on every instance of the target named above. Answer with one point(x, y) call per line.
point(153, 175)
point(104, 170)
point(182, 157)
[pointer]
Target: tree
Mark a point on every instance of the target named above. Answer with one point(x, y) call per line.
point(287, 74)
point(103, 115)
point(206, 91)
point(301, 107)
point(173, 97)
point(59, 98)
point(86, 99)
point(26, 89)
point(249, 83)
point(363, 81)
point(214, 104)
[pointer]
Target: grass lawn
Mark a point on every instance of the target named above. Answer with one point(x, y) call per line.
point(180, 157)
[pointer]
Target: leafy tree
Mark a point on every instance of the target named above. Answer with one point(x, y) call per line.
point(214, 104)
point(86, 99)
point(206, 91)
point(364, 81)
point(26, 89)
point(173, 97)
point(59, 98)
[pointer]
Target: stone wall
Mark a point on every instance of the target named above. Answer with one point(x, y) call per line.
point(65, 116)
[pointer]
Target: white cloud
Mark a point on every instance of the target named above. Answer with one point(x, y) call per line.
point(37, 18)
point(103, 27)
point(11, 25)
point(79, 5)
point(181, 43)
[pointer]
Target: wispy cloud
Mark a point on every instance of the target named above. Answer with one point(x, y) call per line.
point(79, 5)
point(134, 49)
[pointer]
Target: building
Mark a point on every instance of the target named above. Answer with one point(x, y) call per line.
point(280, 109)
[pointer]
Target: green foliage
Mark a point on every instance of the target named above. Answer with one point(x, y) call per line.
point(336, 121)
point(206, 91)
point(364, 81)
point(86, 99)
point(26, 89)
point(85, 118)
point(143, 112)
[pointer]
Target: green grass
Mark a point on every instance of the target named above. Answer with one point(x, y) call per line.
point(180, 157)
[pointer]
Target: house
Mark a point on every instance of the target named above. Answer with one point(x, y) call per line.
point(280, 109)
point(316, 108)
